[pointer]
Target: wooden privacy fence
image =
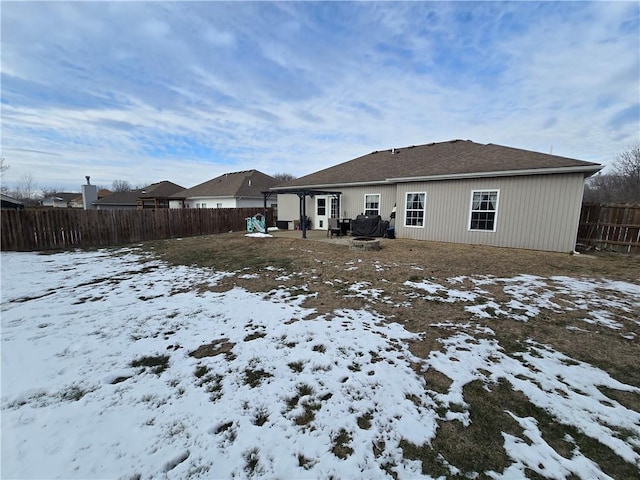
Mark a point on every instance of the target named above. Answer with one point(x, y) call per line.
point(610, 227)
point(54, 228)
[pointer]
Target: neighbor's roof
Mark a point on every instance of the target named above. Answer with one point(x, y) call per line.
point(62, 196)
point(8, 199)
point(248, 183)
point(120, 198)
point(162, 189)
point(439, 161)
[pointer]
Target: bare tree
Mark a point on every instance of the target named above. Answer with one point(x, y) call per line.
point(627, 168)
point(3, 168)
point(51, 191)
point(120, 186)
point(26, 188)
point(620, 186)
point(284, 177)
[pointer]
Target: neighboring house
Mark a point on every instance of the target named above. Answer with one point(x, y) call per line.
point(158, 195)
point(155, 195)
point(231, 190)
point(457, 191)
point(9, 202)
point(59, 200)
point(77, 201)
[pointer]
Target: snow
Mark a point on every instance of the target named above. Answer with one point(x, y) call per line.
point(281, 383)
point(259, 235)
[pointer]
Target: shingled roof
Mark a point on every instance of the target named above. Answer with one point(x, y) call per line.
point(162, 189)
point(247, 183)
point(433, 161)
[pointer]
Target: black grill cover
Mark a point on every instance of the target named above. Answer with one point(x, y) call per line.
point(368, 226)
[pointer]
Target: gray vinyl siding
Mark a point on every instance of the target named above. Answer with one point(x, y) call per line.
point(352, 201)
point(538, 212)
point(288, 207)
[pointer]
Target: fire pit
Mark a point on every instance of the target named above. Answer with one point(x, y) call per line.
point(365, 243)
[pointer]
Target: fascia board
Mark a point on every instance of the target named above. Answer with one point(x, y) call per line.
point(329, 186)
point(501, 173)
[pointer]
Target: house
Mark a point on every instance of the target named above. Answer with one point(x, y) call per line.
point(59, 200)
point(457, 191)
point(7, 202)
point(157, 195)
point(154, 196)
point(231, 190)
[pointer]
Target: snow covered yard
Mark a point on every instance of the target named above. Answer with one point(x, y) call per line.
point(116, 364)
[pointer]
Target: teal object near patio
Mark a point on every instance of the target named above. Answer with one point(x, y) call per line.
point(256, 223)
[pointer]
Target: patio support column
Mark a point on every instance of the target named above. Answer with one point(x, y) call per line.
point(264, 211)
point(303, 219)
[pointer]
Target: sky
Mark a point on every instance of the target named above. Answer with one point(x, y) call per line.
point(282, 383)
point(187, 91)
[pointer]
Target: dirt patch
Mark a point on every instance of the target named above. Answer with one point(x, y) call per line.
point(218, 347)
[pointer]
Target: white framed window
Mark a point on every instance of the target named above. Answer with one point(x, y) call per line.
point(372, 204)
point(218, 205)
point(483, 215)
point(204, 205)
point(415, 208)
point(321, 207)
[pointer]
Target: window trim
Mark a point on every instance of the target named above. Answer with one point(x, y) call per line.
point(495, 212)
point(365, 204)
point(423, 210)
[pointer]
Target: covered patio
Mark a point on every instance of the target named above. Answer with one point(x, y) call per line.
point(302, 194)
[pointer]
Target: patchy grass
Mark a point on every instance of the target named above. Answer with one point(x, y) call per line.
point(74, 393)
point(319, 348)
point(156, 363)
point(211, 382)
point(230, 255)
point(364, 421)
point(254, 336)
point(305, 462)
point(341, 448)
point(296, 366)
point(252, 461)
point(254, 377)
point(261, 417)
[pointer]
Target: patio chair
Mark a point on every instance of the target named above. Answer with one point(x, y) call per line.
point(334, 228)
